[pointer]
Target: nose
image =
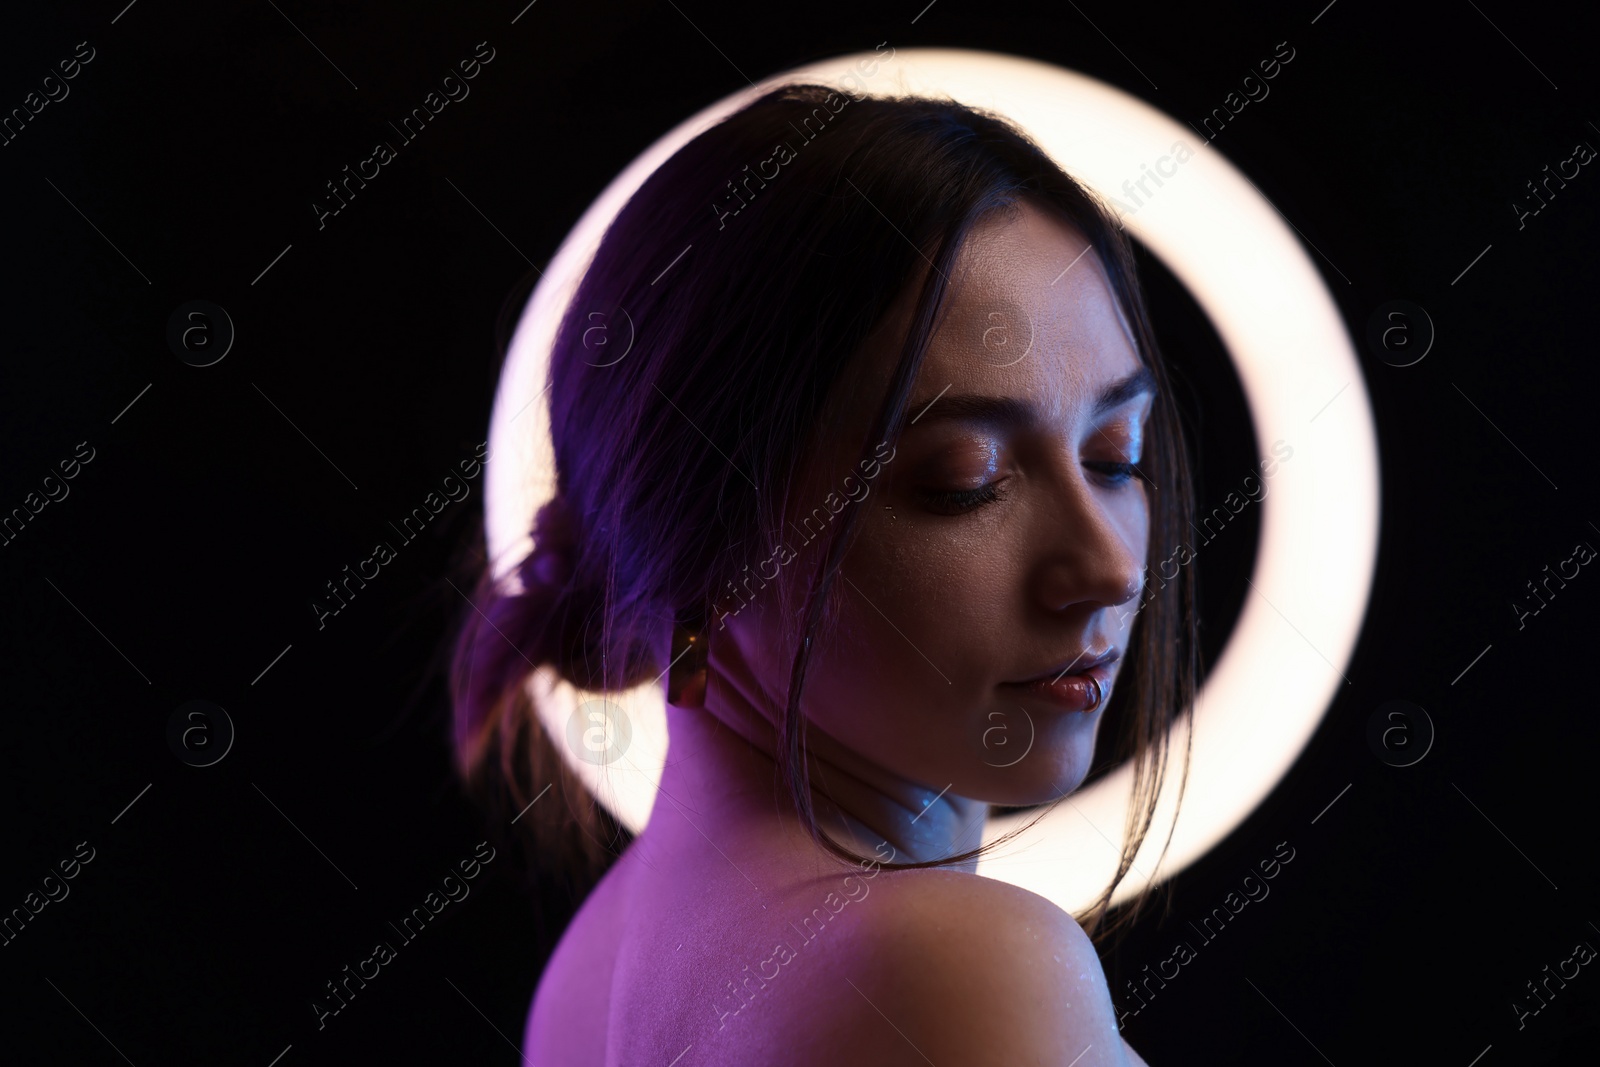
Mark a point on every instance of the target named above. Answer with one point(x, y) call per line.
point(1091, 549)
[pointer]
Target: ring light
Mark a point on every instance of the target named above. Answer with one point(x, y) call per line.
point(1267, 691)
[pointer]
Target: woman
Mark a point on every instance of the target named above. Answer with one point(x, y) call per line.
point(872, 495)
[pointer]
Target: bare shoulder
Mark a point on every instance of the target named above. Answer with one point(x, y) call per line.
point(960, 968)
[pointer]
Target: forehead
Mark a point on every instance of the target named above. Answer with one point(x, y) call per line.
point(1031, 314)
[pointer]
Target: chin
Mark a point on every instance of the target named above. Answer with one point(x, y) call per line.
point(1043, 775)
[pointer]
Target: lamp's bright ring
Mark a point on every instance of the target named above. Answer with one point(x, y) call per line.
point(1267, 691)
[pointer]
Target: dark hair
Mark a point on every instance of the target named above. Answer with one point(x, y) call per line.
point(750, 291)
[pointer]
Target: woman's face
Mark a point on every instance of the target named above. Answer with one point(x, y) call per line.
point(998, 542)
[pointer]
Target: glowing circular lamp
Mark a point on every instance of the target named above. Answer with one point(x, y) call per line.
point(1283, 663)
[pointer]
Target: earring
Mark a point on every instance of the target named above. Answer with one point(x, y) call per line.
point(686, 675)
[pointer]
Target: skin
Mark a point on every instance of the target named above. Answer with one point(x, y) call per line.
point(904, 700)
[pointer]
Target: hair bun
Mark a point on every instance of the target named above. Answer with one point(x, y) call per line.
point(555, 542)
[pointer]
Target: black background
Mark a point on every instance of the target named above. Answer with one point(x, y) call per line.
point(184, 560)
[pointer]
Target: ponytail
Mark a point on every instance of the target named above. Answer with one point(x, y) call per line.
point(505, 757)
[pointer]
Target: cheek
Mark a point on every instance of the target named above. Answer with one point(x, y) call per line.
point(906, 667)
point(1131, 515)
point(1141, 523)
point(924, 593)
point(1142, 543)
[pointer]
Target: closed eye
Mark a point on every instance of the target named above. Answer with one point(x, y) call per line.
point(959, 501)
point(1118, 473)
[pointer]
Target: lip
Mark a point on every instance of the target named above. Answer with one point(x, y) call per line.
point(1086, 689)
point(1082, 663)
point(1072, 692)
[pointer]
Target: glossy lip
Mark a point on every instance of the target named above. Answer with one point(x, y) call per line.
point(1079, 665)
point(1072, 692)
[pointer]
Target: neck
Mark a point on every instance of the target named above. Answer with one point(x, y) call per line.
point(721, 780)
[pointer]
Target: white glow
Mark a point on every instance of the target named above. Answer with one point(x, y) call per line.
point(1319, 519)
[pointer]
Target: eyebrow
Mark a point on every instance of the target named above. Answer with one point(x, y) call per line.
point(1009, 412)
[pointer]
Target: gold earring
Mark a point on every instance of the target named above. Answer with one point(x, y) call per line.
point(686, 676)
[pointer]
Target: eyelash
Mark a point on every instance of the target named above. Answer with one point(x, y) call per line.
point(1120, 473)
point(959, 501)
